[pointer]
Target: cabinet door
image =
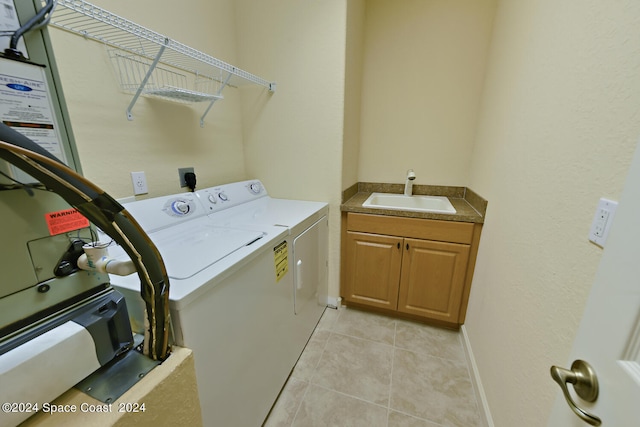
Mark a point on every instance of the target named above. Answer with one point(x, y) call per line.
point(432, 279)
point(373, 269)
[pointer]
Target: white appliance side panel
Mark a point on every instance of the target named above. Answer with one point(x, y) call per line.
point(39, 370)
point(241, 335)
point(310, 258)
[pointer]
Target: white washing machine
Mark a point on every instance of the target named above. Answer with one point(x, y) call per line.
point(248, 284)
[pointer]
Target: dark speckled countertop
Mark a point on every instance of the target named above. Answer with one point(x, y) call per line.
point(470, 207)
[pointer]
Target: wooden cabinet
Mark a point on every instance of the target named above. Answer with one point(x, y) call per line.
point(432, 279)
point(373, 270)
point(416, 267)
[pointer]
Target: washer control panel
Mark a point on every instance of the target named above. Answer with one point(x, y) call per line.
point(228, 195)
point(186, 207)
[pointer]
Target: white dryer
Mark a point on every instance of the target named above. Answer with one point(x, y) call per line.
point(248, 205)
point(238, 296)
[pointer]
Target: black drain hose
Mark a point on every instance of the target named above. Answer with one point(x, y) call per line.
point(110, 216)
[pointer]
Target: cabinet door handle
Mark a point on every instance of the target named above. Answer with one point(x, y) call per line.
point(407, 246)
point(398, 245)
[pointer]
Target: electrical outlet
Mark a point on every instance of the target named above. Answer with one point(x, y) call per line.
point(139, 181)
point(602, 221)
point(181, 172)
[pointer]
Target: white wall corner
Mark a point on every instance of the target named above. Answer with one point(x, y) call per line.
point(481, 398)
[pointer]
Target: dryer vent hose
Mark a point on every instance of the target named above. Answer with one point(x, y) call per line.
point(106, 213)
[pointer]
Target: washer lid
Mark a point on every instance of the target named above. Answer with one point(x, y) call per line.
point(187, 251)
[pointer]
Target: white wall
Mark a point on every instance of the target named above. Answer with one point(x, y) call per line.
point(163, 135)
point(293, 138)
point(422, 79)
point(353, 92)
point(549, 132)
point(559, 122)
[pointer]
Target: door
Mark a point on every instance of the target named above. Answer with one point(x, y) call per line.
point(310, 253)
point(609, 334)
point(373, 270)
point(432, 279)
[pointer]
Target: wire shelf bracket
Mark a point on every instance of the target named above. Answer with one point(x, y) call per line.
point(145, 80)
point(150, 63)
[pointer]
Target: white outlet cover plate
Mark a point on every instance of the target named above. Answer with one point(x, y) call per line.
point(139, 181)
point(602, 220)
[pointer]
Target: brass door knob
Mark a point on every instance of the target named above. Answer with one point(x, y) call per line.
point(585, 383)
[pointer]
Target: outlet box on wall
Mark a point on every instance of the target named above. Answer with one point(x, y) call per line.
point(181, 172)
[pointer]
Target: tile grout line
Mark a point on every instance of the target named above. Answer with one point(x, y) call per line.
point(393, 356)
point(334, 330)
point(349, 395)
point(324, 347)
point(304, 395)
point(315, 368)
point(415, 417)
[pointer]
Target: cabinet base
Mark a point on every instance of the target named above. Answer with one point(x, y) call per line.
point(400, 315)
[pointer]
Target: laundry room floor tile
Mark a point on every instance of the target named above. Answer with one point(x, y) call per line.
point(437, 342)
point(360, 324)
point(357, 367)
point(284, 411)
point(432, 388)
point(366, 369)
point(308, 361)
point(322, 407)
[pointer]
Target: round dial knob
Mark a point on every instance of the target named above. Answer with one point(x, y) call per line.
point(255, 187)
point(223, 197)
point(180, 207)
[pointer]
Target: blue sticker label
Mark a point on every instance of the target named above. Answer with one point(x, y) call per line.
point(19, 87)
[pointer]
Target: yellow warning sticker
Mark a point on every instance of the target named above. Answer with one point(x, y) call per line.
point(281, 258)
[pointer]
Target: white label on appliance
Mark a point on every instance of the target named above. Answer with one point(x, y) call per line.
point(25, 106)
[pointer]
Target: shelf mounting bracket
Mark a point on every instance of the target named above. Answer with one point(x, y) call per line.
point(146, 79)
point(218, 96)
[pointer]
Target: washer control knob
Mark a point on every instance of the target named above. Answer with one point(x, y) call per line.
point(255, 188)
point(180, 207)
point(223, 197)
point(212, 199)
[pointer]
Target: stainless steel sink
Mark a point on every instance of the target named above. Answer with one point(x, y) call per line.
point(435, 204)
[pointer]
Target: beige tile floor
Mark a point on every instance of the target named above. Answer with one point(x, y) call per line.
point(365, 369)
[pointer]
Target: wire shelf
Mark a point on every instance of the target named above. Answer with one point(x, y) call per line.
point(143, 46)
point(163, 82)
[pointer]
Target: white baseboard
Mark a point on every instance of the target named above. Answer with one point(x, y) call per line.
point(483, 406)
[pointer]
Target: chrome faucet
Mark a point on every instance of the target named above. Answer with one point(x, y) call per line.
point(408, 185)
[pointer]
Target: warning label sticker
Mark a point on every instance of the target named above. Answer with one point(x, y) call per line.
point(281, 258)
point(63, 221)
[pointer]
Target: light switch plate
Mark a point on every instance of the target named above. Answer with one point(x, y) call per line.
point(602, 220)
